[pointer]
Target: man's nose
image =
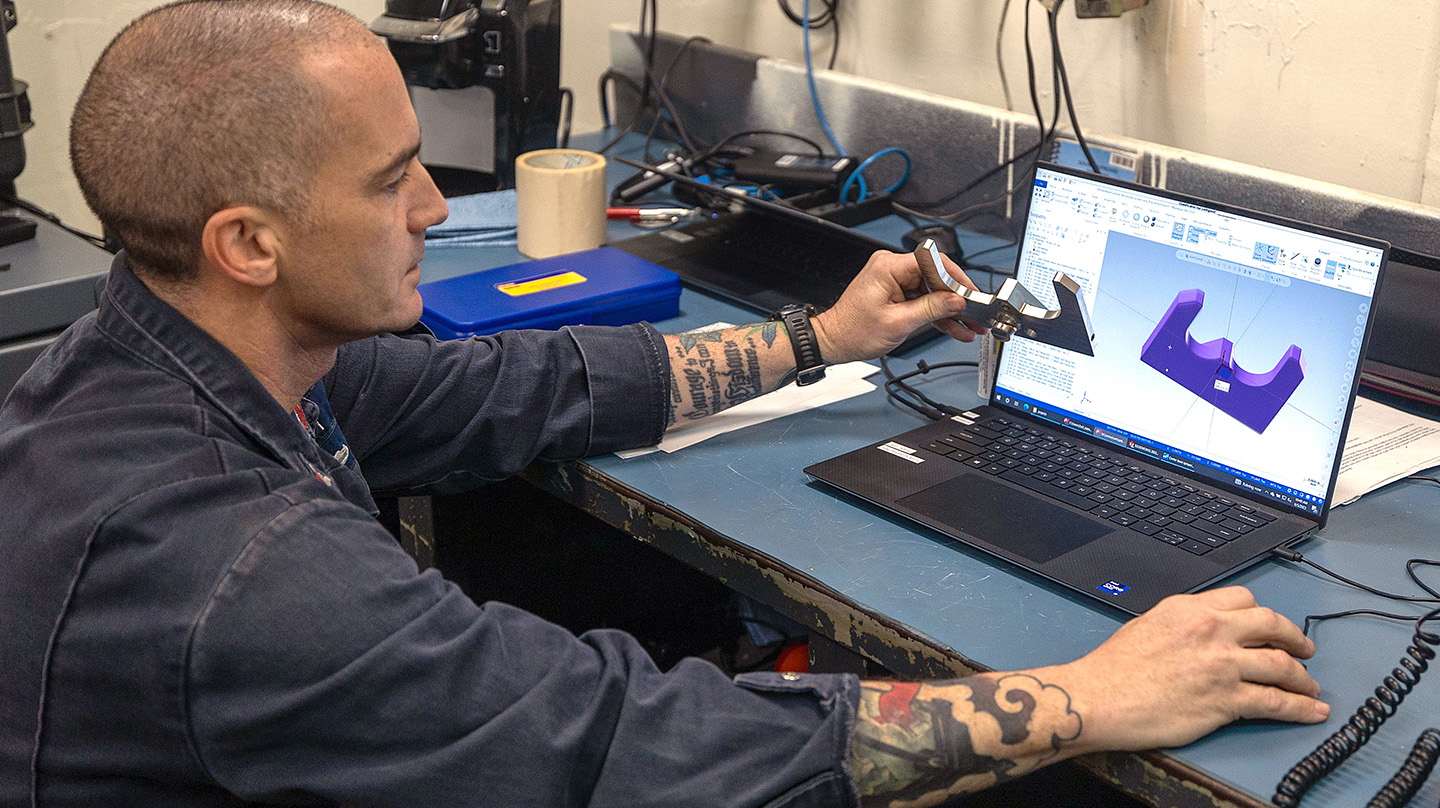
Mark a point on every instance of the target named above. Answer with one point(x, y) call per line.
point(431, 208)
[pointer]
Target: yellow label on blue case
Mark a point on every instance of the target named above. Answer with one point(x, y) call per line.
point(530, 287)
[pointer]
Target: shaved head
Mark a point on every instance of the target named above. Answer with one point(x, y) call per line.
point(204, 105)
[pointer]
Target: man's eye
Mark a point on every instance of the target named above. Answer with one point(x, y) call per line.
point(395, 186)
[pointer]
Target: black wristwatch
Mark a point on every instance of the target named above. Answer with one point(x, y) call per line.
point(809, 366)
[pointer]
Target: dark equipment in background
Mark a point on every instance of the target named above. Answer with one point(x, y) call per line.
point(14, 122)
point(485, 82)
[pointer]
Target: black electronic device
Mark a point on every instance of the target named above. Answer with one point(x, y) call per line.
point(942, 234)
point(473, 61)
point(1161, 473)
point(14, 122)
point(790, 169)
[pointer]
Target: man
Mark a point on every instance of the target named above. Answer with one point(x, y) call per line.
point(199, 608)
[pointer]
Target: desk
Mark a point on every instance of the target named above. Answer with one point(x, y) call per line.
point(739, 508)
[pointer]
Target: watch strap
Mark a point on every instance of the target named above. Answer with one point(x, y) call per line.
point(809, 365)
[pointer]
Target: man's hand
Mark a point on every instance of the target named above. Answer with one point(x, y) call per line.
point(883, 305)
point(1190, 665)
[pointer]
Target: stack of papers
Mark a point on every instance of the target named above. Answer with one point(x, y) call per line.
point(477, 220)
point(1384, 445)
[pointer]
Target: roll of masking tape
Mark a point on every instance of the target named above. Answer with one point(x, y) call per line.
point(560, 200)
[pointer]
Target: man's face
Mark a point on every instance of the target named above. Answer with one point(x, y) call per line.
point(351, 270)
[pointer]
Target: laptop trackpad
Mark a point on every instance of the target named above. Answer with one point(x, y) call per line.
point(1023, 523)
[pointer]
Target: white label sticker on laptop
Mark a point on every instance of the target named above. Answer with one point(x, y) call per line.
point(900, 451)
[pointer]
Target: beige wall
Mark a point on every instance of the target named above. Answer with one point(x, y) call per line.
point(1328, 89)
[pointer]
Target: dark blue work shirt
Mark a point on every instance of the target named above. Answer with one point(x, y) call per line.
point(198, 608)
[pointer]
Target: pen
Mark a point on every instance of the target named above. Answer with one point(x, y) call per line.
point(644, 214)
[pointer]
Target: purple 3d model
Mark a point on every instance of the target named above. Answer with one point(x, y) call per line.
point(1208, 369)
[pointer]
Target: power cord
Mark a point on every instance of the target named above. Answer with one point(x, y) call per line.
point(1060, 83)
point(999, 56)
point(652, 94)
point(1373, 713)
point(567, 100)
point(32, 208)
point(1065, 84)
point(1388, 697)
point(829, 17)
point(897, 388)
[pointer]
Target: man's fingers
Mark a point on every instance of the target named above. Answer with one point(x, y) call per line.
point(1271, 666)
point(1262, 701)
point(1259, 626)
point(1227, 598)
point(954, 329)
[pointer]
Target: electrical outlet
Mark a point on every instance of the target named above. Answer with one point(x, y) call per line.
point(1105, 8)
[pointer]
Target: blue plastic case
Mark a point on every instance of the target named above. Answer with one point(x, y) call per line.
point(604, 286)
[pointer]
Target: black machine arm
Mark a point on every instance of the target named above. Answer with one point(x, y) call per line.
point(511, 47)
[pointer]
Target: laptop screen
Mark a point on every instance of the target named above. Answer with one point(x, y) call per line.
point(1227, 343)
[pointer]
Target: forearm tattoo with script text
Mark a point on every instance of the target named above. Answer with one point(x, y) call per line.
point(919, 744)
point(715, 370)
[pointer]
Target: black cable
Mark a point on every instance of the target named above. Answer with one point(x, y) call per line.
point(664, 96)
point(1311, 619)
point(651, 92)
point(823, 18)
point(973, 184)
point(1046, 134)
point(999, 57)
point(987, 251)
point(895, 386)
point(1422, 562)
point(1291, 555)
point(613, 75)
point(828, 16)
point(1413, 772)
point(1065, 84)
point(654, 13)
point(1365, 722)
point(567, 99)
point(835, 37)
point(31, 207)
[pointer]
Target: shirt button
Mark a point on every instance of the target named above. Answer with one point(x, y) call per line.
point(789, 677)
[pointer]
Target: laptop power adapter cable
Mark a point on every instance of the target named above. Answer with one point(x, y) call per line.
point(897, 388)
point(1366, 721)
point(1372, 714)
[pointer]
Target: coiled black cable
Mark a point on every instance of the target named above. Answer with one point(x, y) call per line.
point(1412, 775)
point(1365, 722)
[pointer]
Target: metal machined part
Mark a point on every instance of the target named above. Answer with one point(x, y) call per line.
point(1013, 309)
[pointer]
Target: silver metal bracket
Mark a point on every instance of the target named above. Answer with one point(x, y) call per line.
point(1013, 309)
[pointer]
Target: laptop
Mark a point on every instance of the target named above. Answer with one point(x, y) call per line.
point(763, 257)
point(1205, 431)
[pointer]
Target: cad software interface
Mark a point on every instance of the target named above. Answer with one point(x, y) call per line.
point(1224, 344)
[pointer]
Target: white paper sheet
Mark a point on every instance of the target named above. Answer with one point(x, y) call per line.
point(1384, 444)
point(840, 382)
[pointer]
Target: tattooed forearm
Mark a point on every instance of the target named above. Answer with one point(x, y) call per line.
point(714, 370)
point(918, 744)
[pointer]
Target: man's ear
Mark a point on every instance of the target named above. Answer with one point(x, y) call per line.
point(243, 244)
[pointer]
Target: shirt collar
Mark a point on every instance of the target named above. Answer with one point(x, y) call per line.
point(134, 316)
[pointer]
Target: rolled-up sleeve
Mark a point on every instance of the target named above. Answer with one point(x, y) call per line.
point(326, 668)
point(421, 413)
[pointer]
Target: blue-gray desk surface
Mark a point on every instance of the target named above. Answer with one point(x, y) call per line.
point(748, 486)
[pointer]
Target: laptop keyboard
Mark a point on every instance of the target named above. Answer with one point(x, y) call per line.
point(1105, 486)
